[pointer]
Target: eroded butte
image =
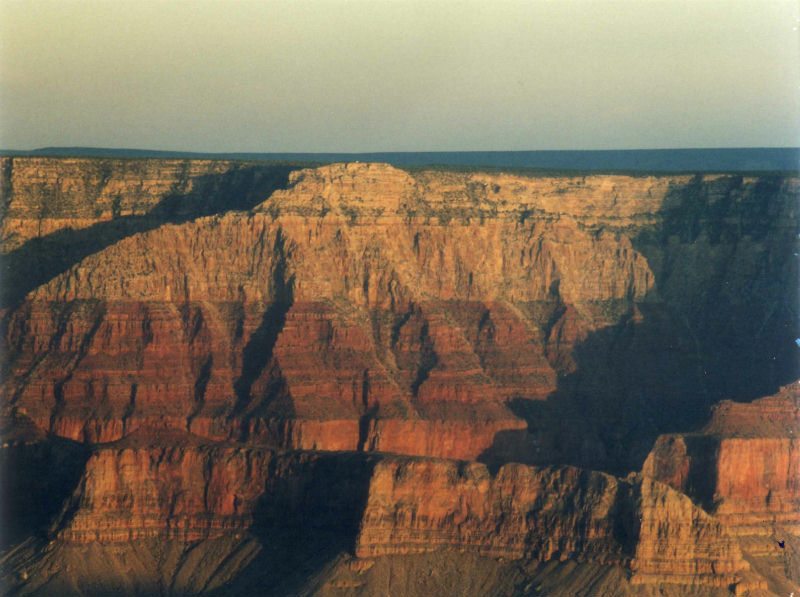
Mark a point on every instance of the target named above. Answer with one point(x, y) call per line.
point(234, 378)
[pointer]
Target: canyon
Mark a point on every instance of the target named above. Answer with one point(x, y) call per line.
point(238, 378)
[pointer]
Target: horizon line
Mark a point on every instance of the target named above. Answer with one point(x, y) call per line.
point(386, 151)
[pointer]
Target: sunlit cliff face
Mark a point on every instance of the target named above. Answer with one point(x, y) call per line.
point(185, 322)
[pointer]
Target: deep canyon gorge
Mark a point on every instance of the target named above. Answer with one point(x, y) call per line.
point(249, 378)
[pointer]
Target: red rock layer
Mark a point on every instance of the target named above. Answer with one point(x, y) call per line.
point(758, 485)
point(418, 506)
point(178, 489)
point(362, 307)
point(749, 460)
point(680, 543)
point(421, 505)
point(170, 485)
point(745, 469)
point(180, 492)
point(389, 335)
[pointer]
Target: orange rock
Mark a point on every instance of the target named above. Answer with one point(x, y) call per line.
point(418, 506)
point(177, 492)
point(746, 469)
point(52, 194)
point(361, 307)
point(364, 308)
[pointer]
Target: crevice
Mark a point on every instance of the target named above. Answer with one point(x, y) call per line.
point(558, 310)
point(625, 514)
point(147, 328)
point(428, 359)
point(130, 408)
point(484, 338)
point(399, 323)
point(193, 320)
point(58, 402)
point(368, 413)
point(200, 385)
point(258, 351)
point(239, 315)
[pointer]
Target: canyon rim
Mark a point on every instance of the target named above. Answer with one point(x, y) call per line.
point(239, 377)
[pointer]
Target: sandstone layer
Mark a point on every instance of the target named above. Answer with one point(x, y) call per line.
point(744, 468)
point(204, 361)
point(147, 496)
point(366, 308)
point(546, 514)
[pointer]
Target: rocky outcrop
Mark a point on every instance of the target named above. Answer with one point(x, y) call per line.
point(679, 543)
point(55, 212)
point(745, 469)
point(220, 357)
point(44, 195)
point(179, 501)
point(366, 308)
point(183, 491)
point(423, 505)
point(744, 466)
point(545, 514)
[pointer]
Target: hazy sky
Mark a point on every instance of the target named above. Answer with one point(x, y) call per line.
point(336, 75)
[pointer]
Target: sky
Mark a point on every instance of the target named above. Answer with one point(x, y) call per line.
point(399, 75)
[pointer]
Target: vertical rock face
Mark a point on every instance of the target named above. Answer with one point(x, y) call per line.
point(363, 307)
point(418, 506)
point(184, 492)
point(680, 543)
point(758, 482)
point(180, 345)
point(749, 458)
point(44, 195)
point(177, 487)
point(150, 489)
point(744, 467)
point(565, 513)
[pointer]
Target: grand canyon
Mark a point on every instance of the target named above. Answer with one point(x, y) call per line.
point(233, 377)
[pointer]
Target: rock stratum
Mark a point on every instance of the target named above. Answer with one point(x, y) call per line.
point(234, 378)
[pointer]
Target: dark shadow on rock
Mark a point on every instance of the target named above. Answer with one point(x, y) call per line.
point(721, 323)
point(41, 259)
point(626, 516)
point(514, 445)
point(308, 515)
point(728, 275)
point(633, 381)
point(38, 479)
point(701, 482)
point(257, 353)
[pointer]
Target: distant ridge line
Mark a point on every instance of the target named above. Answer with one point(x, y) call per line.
point(654, 160)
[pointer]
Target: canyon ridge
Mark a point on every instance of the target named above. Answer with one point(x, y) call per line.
point(351, 380)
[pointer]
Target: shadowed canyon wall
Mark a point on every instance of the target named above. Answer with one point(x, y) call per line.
point(744, 467)
point(180, 324)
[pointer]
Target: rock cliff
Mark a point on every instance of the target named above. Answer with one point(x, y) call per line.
point(363, 307)
point(214, 353)
point(547, 514)
point(44, 195)
point(185, 506)
point(744, 467)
